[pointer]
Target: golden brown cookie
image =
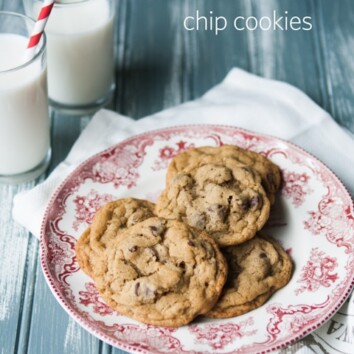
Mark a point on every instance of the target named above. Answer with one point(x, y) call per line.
point(257, 269)
point(269, 172)
point(223, 198)
point(83, 251)
point(162, 272)
point(108, 224)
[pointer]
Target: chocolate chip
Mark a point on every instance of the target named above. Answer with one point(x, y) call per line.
point(262, 255)
point(245, 205)
point(182, 265)
point(157, 230)
point(218, 211)
point(153, 229)
point(257, 201)
point(254, 201)
point(136, 289)
point(147, 291)
point(154, 253)
point(190, 243)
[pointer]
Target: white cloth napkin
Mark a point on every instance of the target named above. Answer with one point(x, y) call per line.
point(243, 100)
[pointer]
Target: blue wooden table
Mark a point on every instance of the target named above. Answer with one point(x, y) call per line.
point(160, 64)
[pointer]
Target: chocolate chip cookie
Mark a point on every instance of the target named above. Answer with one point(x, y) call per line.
point(257, 269)
point(108, 224)
point(221, 197)
point(162, 272)
point(269, 172)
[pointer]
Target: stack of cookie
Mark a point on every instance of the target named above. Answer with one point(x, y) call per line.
point(197, 251)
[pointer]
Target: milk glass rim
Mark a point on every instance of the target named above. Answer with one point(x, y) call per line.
point(41, 49)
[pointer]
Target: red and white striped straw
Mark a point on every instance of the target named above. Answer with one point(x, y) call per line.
point(39, 27)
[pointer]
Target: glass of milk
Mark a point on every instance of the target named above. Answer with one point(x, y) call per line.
point(80, 37)
point(24, 117)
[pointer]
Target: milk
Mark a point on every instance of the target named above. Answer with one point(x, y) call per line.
point(24, 122)
point(80, 52)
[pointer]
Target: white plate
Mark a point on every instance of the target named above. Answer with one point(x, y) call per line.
point(313, 219)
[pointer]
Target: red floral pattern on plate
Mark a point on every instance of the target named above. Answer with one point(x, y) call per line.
point(87, 206)
point(92, 297)
point(122, 167)
point(296, 187)
point(61, 254)
point(333, 219)
point(168, 152)
point(149, 337)
point(317, 272)
point(292, 319)
point(219, 336)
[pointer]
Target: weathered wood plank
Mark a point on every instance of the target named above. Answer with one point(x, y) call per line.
point(336, 19)
point(15, 6)
point(29, 278)
point(18, 256)
point(52, 330)
point(150, 74)
point(207, 56)
point(283, 55)
point(14, 241)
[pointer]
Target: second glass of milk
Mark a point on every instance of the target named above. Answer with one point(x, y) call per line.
point(24, 116)
point(80, 53)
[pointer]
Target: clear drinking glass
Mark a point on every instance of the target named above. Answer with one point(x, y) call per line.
point(24, 116)
point(80, 53)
